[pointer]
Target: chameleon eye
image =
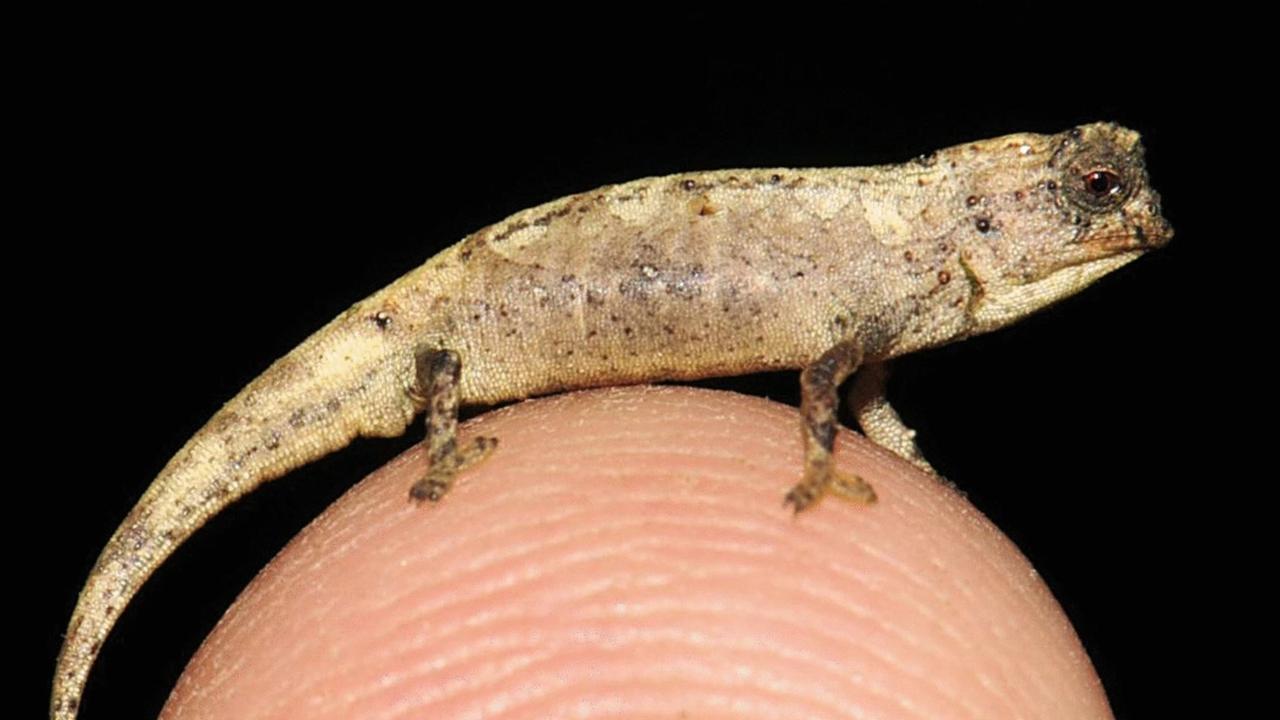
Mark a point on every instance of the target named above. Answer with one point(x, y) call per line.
point(1099, 182)
point(1102, 184)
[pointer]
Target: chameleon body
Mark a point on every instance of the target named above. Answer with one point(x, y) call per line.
point(687, 276)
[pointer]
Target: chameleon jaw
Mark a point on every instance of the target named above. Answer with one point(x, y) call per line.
point(1000, 306)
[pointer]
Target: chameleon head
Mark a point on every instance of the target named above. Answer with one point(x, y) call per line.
point(1076, 206)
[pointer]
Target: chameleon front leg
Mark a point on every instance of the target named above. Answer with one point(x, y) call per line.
point(878, 420)
point(436, 387)
point(819, 386)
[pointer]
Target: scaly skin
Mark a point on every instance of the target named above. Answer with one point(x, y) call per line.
point(681, 277)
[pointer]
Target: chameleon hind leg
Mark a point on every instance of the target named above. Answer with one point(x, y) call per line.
point(436, 388)
point(819, 387)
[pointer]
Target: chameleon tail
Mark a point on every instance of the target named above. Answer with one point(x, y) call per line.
point(289, 416)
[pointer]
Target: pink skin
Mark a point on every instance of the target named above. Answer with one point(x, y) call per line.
point(625, 554)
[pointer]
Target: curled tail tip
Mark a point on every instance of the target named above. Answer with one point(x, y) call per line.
point(88, 628)
point(68, 684)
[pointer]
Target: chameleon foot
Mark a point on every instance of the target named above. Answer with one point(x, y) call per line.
point(440, 476)
point(853, 487)
point(433, 486)
point(802, 496)
point(846, 485)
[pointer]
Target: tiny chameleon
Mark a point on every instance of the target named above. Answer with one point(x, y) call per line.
point(696, 275)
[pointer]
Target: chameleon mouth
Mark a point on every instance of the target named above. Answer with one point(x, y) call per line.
point(997, 309)
point(1138, 237)
point(1075, 276)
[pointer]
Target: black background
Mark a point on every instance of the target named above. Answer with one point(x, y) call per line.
point(207, 196)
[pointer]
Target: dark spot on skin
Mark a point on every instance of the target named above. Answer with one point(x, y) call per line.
point(1019, 195)
point(1076, 219)
point(920, 182)
point(465, 255)
point(95, 647)
point(554, 214)
point(983, 225)
point(595, 298)
point(592, 333)
point(626, 331)
point(567, 278)
point(510, 230)
point(798, 274)
point(706, 209)
point(1050, 185)
point(944, 247)
point(382, 319)
point(944, 277)
point(298, 418)
point(688, 185)
point(475, 316)
point(775, 178)
point(971, 200)
point(908, 256)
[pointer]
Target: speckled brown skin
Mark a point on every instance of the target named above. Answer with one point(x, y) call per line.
point(688, 276)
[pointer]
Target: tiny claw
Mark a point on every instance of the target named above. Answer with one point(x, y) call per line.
point(431, 490)
point(799, 497)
